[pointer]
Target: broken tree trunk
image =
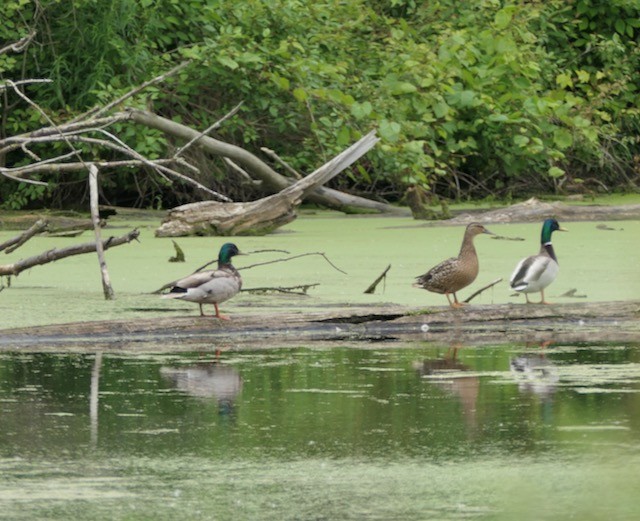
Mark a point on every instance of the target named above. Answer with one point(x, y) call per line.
point(261, 216)
point(271, 179)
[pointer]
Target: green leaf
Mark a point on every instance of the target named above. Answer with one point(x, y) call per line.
point(564, 80)
point(521, 141)
point(390, 130)
point(300, 94)
point(555, 172)
point(620, 26)
point(361, 110)
point(562, 138)
point(398, 88)
point(228, 62)
point(503, 17)
point(344, 136)
point(441, 109)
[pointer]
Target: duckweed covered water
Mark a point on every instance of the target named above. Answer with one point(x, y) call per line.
point(419, 432)
point(599, 264)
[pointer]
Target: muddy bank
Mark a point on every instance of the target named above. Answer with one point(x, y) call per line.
point(474, 325)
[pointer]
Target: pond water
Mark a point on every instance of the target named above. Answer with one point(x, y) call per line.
point(412, 432)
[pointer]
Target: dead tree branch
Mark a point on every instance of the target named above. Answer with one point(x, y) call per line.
point(13, 244)
point(474, 295)
point(301, 289)
point(95, 217)
point(374, 284)
point(273, 181)
point(57, 254)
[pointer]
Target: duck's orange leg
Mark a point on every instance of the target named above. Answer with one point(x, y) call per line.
point(218, 315)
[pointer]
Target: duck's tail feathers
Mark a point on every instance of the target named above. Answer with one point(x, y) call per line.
point(176, 292)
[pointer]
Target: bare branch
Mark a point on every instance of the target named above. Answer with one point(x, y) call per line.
point(11, 85)
point(213, 127)
point(17, 241)
point(287, 166)
point(95, 217)
point(292, 258)
point(20, 45)
point(97, 112)
point(56, 254)
point(374, 284)
point(474, 295)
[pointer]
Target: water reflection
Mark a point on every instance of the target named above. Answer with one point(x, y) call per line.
point(447, 373)
point(535, 374)
point(207, 380)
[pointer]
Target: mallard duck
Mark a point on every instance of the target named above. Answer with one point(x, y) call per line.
point(211, 286)
point(535, 273)
point(455, 273)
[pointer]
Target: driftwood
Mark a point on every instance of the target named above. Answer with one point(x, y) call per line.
point(56, 254)
point(272, 181)
point(261, 216)
point(393, 325)
point(534, 210)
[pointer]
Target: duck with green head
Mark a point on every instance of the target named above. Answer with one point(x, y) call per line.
point(211, 286)
point(535, 273)
point(455, 273)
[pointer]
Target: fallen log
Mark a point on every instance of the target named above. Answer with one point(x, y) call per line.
point(60, 253)
point(264, 215)
point(534, 210)
point(271, 179)
point(394, 325)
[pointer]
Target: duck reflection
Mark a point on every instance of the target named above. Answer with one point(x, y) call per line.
point(207, 380)
point(535, 374)
point(465, 388)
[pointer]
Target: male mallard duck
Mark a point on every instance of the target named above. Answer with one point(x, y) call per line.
point(457, 272)
point(535, 273)
point(211, 286)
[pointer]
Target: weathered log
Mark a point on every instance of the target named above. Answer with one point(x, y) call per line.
point(534, 210)
point(395, 325)
point(261, 216)
point(271, 179)
point(57, 254)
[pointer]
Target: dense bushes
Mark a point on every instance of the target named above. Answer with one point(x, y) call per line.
point(471, 99)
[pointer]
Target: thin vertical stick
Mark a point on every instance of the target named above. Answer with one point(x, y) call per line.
point(95, 217)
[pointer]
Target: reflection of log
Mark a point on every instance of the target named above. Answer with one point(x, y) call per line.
point(261, 216)
point(56, 254)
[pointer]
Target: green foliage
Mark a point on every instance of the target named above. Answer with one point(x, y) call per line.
point(470, 98)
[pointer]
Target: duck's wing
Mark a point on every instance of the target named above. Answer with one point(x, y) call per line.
point(198, 279)
point(222, 286)
point(529, 270)
point(436, 276)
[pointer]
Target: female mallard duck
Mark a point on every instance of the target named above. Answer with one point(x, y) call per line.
point(211, 286)
point(535, 273)
point(457, 272)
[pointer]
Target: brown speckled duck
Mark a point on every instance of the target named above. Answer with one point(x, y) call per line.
point(455, 273)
